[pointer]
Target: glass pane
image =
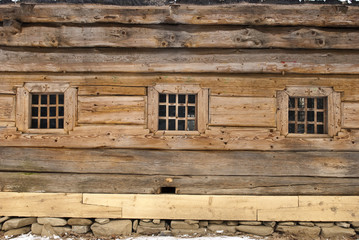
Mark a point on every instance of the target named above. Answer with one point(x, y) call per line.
point(43, 123)
point(52, 123)
point(33, 123)
point(181, 125)
point(310, 116)
point(52, 111)
point(161, 124)
point(52, 99)
point(61, 99)
point(300, 128)
point(291, 102)
point(190, 125)
point(320, 129)
point(320, 117)
point(171, 124)
point(301, 116)
point(43, 99)
point(181, 111)
point(34, 111)
point(61, 111)
point(310, 103)
point(61, 123)
point(162, 98)
point(162, 111)
point(291, 128)
point(191, 98)
point(320, 103)
point(35, 99)
point(191, 111)
point(172, 98)
point(181, 98)
point(43, 112)
point(291, 115)
point(310, 128)
point(172, 111)
point(301, 102)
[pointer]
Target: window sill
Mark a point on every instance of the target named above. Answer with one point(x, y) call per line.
point(46, 131)
point(299, 135)
point(176, 133)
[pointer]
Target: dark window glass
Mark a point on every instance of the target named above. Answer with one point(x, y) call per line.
point(61, 123)
point(191, 125)
point(300, 128)
point(52, 111)
point(291, 128)
point(172, 111)
point(181, 125)
point(161, 124)
point(301, 116)
point(191, 111)
point(191, 98)
point(172, 98)
point(43, 99)
point(34, 111)
point(320, 103)
point(310, 103)
point(310, 116)
point(61, 99)
point(320, 129)
point(43, 123)
point(301, 102)
point(320, 117)
point(162, 98)
point(33, 123)
point(52, 99)
point(181, 98)
point(310, 128)
point(162, 111)
point(291, 116)
point(52, 123)
point(291, 102)
point(61, 111)
point(35, 99)
point(43, 112)
point(171, 124)
point(181, 111)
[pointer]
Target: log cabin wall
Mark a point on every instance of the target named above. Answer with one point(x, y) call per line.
point(244, 54)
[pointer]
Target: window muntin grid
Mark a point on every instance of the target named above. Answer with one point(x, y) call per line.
point(177, 112)
point(47, 111)
point(307, 115)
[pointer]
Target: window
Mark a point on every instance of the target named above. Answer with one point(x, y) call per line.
point(179, 109)
point(46, 108)
point(308, 111)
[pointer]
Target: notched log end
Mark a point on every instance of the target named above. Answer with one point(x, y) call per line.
point(12, 26)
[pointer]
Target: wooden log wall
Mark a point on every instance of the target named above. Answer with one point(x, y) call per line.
point(242, 53)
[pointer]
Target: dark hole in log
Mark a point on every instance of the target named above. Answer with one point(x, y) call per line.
point(167, 190)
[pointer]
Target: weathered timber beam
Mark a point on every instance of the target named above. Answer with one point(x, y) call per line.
point(151, 184)
point(239, 14)
point(170, 60)
point(214, 163)
point(181, 37)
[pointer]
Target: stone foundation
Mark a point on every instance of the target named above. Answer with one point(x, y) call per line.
point(47, 227)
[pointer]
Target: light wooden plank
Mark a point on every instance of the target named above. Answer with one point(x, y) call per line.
point(173, 60)
point(38, 87)
point(52, 205)
point(189, 206)
point(7, 108)
point(350, 115)
point(111, 90)
point(70, 106)
point(114, 109)
point(243, 111)
point(22, 109)
point(238, 14)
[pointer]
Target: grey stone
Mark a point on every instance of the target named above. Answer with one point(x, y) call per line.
point(232, 223)
point(62, 230)
point(3, 219)
point(191, 221)
point(135, 225)
point(215, 228)
point(151, 224)
point(80, 229)
point(286, 224)
point(79, 221)
point(102, 220)
point(203, 223)
point(146, 220)
point(355, 224)
point(48, 231)
point(250, 223)
point(299, 230)
point(191, 232)
point(356, 229)
point(336, 231)
point(17, 223)
point(146, 230)
point(307, 224)
point(36, 228)
point(18, 231)
point(156, 221)
point(343, 224)
point(215, 222)
point(324, 224)
point(165, 233)
point(183, 225)
point(270, 224)
point(55, 222)
point(115, 227)
point(256, 230)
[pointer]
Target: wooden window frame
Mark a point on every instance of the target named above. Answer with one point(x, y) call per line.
point(153, 106)
point(23, 106)
point(334, 109)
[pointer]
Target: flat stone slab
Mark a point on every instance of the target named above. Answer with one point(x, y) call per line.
point(17, 223)
point(55, 222)
point(355, 224)
point(36, 228)
point(80, 229)
point(324, 224)
point(151, 224)
point(145, 230)
point(336, 231)
point(102, 220)
point(18, 231)
point(302, 231)
point(215, 228)
point(79, 221)
point(113, 228)
point(183, 225)
point(250, 223)
point(3, 219)
point(343, 224)
point(256, 230)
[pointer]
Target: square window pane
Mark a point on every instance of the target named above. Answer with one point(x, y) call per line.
point(43, 112)
point(301, 102)
point(61, 123)
point(172, 98)
point(181, 98)
point(291, 103)
point(61, 98)
point(301, 116)
point(310, 103)
point(181, 111)
point(181, 125)
point(320, 103)
point(162, 98)
point(310, 116)
point(52, 123)
point(35, 99)
point(291, 128)
point(300, 128)
point(191, 125)
point(52, 111)
point(172, 111)
point(191, 98)
point(320, 117)
point(43, 123)
point(191, 111)
point(320, 129)
point(162, 111)
point(161, 124)
point(52, 99)
point(61, 111)
point(33, 123)
point(43, 99)
point(291, 116)
point(34, 111)
point(310, 128)
point(171, 124)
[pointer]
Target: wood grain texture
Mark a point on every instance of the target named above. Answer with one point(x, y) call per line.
point(7, 108)
point(243, 111)
point(111, 91)
point(239, 14)
point(170, 60)
point(177, 36)
point(197, 163)
point(151, 184)
point(350, 115)
point(112, 110)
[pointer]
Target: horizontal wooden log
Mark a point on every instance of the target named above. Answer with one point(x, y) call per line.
point(177, 36)
point(239, 14)
point(7, 108)
point(243, 111)
point(169, 60)
point(151, 184)
point(113, 110)
point(350, 115)
point(200, 163)
point(111, 90)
